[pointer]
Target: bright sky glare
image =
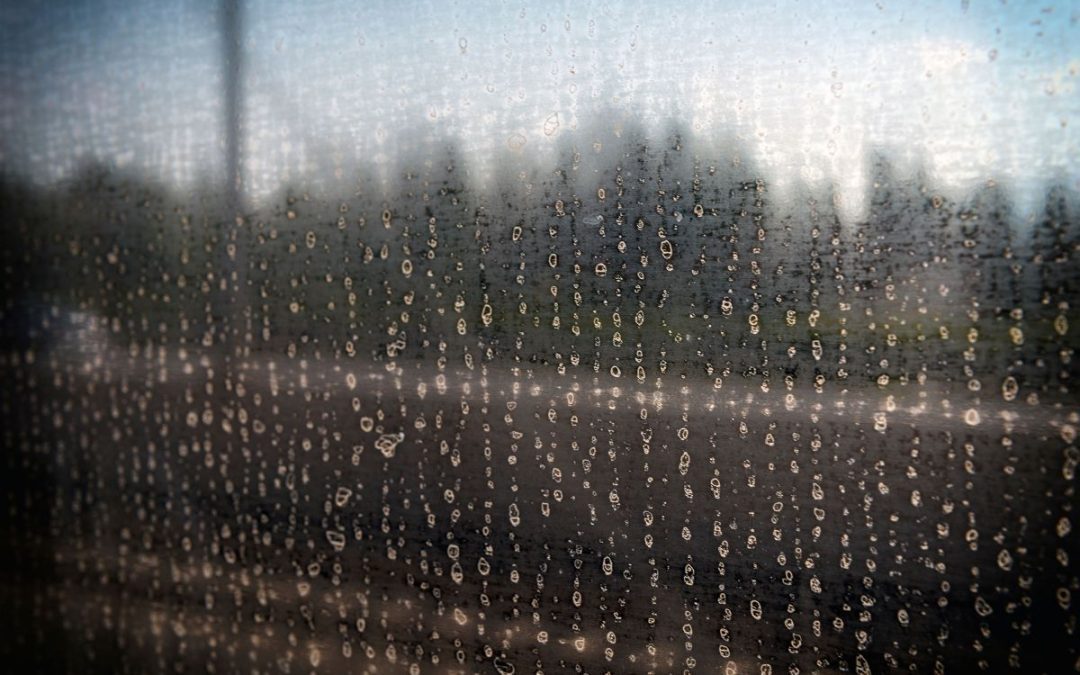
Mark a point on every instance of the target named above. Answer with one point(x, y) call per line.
point(970, 92)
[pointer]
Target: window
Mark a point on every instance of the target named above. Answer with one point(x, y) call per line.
point(532, 338)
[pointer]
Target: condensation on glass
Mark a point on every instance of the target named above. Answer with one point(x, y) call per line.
point(620, 338)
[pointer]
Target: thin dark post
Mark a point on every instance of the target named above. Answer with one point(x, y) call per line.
point(232, 59)
point(233, 252)
point(231, 310)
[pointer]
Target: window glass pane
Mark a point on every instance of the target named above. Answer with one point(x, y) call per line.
point(521, 337)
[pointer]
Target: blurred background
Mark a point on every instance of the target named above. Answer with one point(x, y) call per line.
point(526, 337)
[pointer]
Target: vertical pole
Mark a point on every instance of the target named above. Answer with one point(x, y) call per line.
point(232, 61)
point(232, 309)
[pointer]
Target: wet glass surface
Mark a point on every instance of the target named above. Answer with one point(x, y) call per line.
point(462, 340)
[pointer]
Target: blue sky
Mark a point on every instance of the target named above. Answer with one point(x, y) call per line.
point(974, 91)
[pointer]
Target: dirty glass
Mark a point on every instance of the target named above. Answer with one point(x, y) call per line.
point(538, 338)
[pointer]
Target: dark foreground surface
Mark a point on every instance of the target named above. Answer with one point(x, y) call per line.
point(407, 519)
